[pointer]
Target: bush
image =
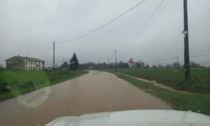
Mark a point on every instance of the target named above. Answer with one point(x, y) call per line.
point(4, 87)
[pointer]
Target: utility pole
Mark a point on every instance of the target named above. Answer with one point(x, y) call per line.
point(115, 60)
point(53, 55)
point(186, 43)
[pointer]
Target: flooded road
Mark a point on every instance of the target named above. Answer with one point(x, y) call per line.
point(91, 93)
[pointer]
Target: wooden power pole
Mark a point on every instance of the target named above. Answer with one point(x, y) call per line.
point(186, 43)
point(115, 60)
point(53, 55)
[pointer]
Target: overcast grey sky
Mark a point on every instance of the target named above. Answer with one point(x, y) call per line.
point(29, 27)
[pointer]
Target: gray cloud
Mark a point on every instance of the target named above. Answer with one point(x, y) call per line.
point(29, 27)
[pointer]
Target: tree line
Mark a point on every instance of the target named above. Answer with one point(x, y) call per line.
point(73, 64)
point(141, 65)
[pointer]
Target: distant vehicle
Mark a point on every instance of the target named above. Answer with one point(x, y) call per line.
point(135, 118)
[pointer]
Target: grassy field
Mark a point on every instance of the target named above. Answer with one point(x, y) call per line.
point(199, 82)
point(15, 83)
point(194, 102)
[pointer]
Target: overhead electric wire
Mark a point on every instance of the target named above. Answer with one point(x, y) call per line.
point(118, 16)
point(104, 25)
point(74, 39)
point(149, 23)
point(157, 16)
point(141, 28)
point(46, 51)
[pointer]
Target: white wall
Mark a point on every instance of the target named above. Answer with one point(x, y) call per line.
point(34, 65)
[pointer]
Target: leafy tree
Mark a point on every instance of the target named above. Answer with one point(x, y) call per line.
point(74, 64)
point(142, 64)
point(1, 67)
point(160, 66)
point(168, 65)
point(147, 66)
point(194, 65)
point(176, 65)
point(154, 66)
point(64, 66)
point(121, 64)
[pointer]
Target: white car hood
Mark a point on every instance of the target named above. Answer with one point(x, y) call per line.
point(135, 118)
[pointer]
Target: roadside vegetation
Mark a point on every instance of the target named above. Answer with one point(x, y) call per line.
point(199, 82)
point(196, 102)
point(15, 83)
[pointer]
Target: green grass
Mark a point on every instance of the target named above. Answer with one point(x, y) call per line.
point(179, 101)
point(22, 82)
point(199, 82)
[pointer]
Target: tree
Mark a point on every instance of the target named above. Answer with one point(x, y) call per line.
point(154, 66)
point(64, 66)
point(1, 67)
point(74, 64)
point(160, 66)
point(141, 64)
point(168, 65)
point(194, 65)
point(121, 64)
point(176, 65)
point(147, 66)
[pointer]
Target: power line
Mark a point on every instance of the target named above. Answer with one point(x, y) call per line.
point(104, 25)
point(46, 51)
point(74, 39)
point(84, 35)
point(149, 23)
point(118, 16)
point(156, 16)
point(141, 28)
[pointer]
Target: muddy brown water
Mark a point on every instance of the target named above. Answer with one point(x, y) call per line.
point(91, 93)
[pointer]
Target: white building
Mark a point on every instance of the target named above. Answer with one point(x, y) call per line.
point(24, 63)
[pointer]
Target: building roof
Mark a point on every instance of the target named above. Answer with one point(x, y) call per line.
point(25, 58)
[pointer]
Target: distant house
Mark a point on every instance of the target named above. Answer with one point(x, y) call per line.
point(24, 63)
